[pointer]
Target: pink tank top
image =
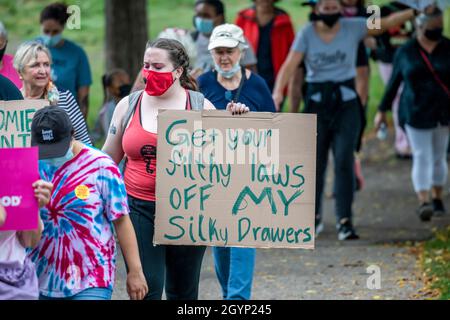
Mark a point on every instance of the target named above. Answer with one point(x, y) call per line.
point(139, 146)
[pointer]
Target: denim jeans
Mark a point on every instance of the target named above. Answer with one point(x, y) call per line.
point(429, 148)
point(176, 267)
point(88, 294)
point(338, 127)
point(234, 269)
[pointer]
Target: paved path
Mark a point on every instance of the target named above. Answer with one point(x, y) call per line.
point(386, 221)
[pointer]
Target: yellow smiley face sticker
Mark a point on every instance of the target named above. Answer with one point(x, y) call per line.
point(82, 192)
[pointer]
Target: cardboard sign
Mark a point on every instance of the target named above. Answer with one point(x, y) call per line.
point(18, 171)
point(245, 181)
point(15, 122)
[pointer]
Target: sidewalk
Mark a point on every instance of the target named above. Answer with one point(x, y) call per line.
point(386, 222)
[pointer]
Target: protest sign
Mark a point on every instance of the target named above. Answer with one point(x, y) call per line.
point(15, 122)
point(18, 171)
point(246, 181)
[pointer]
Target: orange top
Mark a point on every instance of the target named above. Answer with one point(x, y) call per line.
point(140, 148)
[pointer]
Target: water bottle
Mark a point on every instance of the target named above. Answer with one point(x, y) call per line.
point(382, 132)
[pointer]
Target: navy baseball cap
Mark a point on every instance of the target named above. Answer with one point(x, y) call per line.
point(51, 131)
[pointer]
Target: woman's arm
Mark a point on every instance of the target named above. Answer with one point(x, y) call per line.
point(390, 91)
point(292, 62)
point(113, 143)
point(207, 105)
point(136, 284)
point(83, 98)
point(391, 21)
point(295, 90)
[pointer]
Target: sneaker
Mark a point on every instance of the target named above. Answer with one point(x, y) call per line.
point(425, 211)
point(319, 228)
point(346, 230)
point(438, 208)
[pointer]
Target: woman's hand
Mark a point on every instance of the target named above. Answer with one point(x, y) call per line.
point(278, 100)
point(136, 285)
point(42, 192)
point(237, 108)
point(380, 118)
point(2, 215)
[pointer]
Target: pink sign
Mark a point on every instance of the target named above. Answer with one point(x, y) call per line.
point(18, 171)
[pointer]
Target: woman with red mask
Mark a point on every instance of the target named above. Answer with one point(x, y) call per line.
point(133, 133)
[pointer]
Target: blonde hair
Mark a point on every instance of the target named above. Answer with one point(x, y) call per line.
point(28, 51)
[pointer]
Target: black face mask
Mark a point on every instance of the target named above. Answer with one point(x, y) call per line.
point(434, 34)
point(329, 19)
point(2, 51)
point(124, 90)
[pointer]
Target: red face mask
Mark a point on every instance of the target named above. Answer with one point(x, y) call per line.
point(157, 83)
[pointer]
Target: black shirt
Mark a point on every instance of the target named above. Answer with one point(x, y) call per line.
point(264, 55)
point(389, 41)
point(424, 103)
point(8, 91)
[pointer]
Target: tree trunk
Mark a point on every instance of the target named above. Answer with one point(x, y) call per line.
point(126, 34)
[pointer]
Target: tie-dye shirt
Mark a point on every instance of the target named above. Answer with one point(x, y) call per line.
point(78, 250)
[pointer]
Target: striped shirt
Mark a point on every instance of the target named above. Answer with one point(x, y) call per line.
point(70, 105)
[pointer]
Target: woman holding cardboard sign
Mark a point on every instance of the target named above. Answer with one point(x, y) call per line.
point(328, 45)
point(18, 280)
point(133, 132)
point(230, 82)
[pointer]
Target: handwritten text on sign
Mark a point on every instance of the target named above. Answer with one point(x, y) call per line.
point(15, 122)
point(226, 180)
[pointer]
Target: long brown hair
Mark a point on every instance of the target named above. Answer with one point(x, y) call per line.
point(179, 58)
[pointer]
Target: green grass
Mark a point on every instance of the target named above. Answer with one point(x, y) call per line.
point(22, 21)
point(435, 262)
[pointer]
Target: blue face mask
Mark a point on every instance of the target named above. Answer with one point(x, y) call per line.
point(58, 162)
point(51, 41)
point(230, 73)
point(205, 26)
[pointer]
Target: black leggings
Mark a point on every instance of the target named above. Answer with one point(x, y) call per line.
point(177, 266)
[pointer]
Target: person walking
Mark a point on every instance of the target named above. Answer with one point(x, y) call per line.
point(422, 65)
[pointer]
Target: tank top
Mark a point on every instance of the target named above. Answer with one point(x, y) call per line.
point(140, 147)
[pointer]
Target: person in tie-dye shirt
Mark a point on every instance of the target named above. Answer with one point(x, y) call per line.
point(76, 257)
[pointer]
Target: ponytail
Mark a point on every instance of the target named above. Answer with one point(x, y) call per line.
point(188, 82)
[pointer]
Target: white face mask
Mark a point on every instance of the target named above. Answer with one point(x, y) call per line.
point(59, 162)
point(230, 73)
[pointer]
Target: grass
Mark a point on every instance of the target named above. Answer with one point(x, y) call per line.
point(435, 263)
point(22, 21)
